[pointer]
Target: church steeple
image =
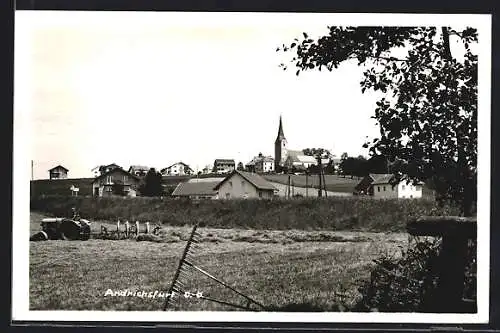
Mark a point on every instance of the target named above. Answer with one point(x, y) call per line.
point(280, 149)
point(281, 135)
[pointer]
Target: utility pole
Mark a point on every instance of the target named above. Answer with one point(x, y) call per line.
point(307, 185)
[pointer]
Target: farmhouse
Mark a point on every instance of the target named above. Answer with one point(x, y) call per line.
point(58, 172)
point(113, 181)
point(385, 186)
point(101, 169)
point(138, 170)
point(260, 163)
point(202, 188)
point(242, 184)
point(222, 166)
point(177, 169)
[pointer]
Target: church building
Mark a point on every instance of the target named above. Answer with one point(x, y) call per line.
point(288, 159)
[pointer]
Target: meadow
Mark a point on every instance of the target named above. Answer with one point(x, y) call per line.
point(334, 183)
point(288, 270)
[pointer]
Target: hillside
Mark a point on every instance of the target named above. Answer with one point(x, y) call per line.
point(334, 183)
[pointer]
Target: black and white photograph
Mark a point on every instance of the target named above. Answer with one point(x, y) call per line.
point(210, 166)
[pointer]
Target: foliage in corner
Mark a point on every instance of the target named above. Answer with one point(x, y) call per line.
point(428, 112)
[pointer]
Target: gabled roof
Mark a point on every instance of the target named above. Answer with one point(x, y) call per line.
point(57, 167)
point(175, 164)
point(253, 178)
point(195, 188)
point(114, 170)
point(382, 178)
point(139, 167)
point(207, 179)
point(224, 160)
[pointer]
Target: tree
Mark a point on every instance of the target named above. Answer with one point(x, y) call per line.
point(152, 184)
point(319, 154)
point(240, 166)
point(428, 115)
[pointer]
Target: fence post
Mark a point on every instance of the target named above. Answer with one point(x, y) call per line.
point(147, 228)
point(136, 228)
point(118, 226)
point(127, 228)
point(455, 233)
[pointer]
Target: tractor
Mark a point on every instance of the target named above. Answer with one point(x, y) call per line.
point(74, 228)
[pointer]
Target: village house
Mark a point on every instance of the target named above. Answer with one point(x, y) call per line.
point(58, 172)
point(138, 170)
point(300, 162)
point(177, 169)
point(197, 189)
point(101, 169)
point(260, 164)
point(222, 166)
point(117, 178)
point(245, 185)
point(384, 186)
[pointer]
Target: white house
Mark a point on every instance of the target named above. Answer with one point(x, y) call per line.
point(296, 159)
point(385, 188)
point(177, 169)
point(261, 163)
point(245, 185)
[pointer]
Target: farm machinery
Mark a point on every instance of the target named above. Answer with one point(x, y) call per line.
point(74, 228)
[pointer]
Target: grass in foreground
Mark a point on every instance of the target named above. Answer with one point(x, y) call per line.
point(74, 275)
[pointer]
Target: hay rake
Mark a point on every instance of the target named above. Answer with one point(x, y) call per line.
point(182, 275)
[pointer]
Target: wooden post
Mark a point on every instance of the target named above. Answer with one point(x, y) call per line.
point(307, 185)
point(147, 228)
point(118, 226)
point(127, 228)
point(136, 228)
point(455, 232)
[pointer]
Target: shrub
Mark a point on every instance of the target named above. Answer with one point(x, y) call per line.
point(409, 283)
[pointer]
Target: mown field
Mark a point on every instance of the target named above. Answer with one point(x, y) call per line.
point(286, 270)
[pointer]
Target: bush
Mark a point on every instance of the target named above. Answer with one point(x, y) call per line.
point(409, 283)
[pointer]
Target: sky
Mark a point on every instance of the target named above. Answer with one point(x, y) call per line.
point(157, 88)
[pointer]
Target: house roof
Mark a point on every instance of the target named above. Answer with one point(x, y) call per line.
point(175, 164)
point(253, 178)
point(382, 178)
point(139, 167)
point(207, 179)
point(224, 161)
point(116, 169)
point(58, 167)
point(195, 188)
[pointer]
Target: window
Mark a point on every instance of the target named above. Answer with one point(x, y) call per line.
point(402, 187)
point(378, 188)
point(260, 194)
point(228, 195)
point(231, 184)
point(384, 188)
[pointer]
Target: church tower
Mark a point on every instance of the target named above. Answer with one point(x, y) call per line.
point(280, 149)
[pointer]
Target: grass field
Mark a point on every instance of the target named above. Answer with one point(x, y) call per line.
point(284, 270)
point(334, 183)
